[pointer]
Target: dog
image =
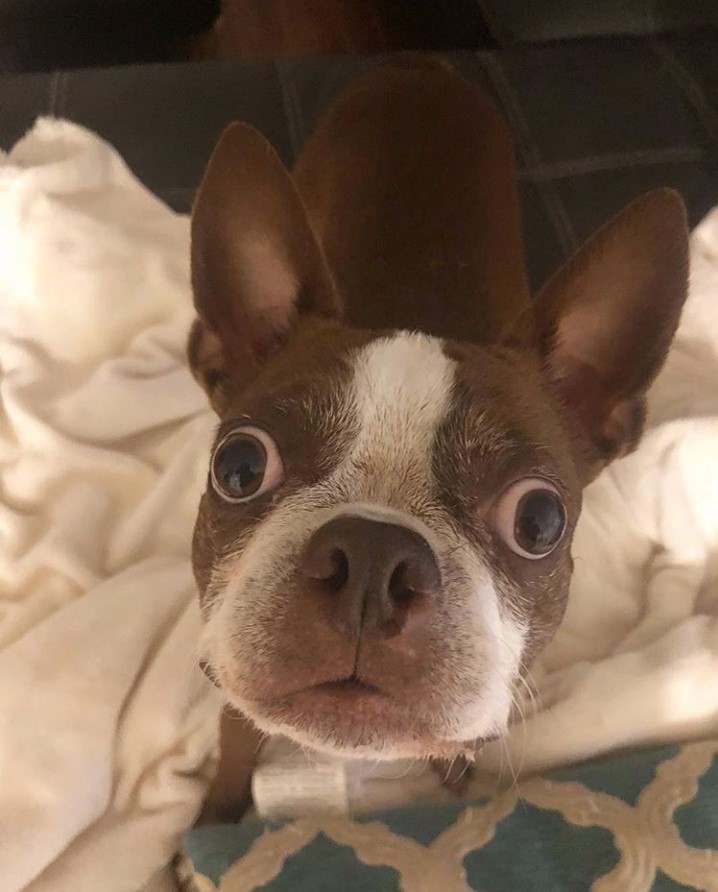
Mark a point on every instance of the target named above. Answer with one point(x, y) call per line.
point(384, 545)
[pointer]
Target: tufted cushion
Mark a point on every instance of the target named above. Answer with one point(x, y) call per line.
point(534, 21)
point(640, 821)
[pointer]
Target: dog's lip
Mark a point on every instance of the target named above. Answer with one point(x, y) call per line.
point(350, 717)
point(347, 688)
point(352, 684)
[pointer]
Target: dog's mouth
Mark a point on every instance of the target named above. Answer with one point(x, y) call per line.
point(341, 702)
point(351, 685)
point(351, 716)
point(348, 716)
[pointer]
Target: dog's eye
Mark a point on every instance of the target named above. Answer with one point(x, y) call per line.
point(246, 464)
point(531, 518)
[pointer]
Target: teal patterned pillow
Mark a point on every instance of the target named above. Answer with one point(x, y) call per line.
point(639, 822)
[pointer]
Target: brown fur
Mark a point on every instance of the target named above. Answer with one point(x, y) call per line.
point(402, 213)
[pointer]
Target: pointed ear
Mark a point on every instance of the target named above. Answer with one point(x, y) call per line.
point(606, 319)
point(256, 264)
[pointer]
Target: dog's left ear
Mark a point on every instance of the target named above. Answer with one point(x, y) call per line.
point(606, 319)
point(256, 264)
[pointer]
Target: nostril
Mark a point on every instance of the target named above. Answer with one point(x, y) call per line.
point(330, 568)
point(399, 587)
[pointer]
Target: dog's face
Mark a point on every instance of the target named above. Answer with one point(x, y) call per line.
point(384, 542)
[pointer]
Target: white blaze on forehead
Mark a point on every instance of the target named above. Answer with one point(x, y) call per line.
point(402, 390)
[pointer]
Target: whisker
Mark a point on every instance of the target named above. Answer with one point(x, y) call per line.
point(522, 716)
point(449, 770)
point(514, 775)
point(533, 698)
point(466, 767)
point(507, 753)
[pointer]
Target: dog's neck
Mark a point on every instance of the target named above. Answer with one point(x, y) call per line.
point(410, 243)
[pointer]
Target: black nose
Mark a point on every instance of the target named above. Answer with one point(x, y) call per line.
point(373, 576)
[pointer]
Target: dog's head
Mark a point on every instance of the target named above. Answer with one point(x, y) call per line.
point(384, 542)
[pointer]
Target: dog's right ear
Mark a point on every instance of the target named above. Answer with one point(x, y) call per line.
point(256, 264)
point(606, 319)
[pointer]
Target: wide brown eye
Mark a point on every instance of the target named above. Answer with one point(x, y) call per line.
point(245, 465)
point(531, 518)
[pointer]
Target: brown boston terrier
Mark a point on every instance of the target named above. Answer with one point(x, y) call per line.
point(385, 540)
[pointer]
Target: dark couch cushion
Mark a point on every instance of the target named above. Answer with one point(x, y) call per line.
point(534, 21)
point(595, 122)
point(44, 34)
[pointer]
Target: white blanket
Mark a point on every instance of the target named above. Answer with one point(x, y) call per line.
point(105, 723)
point(107, 730)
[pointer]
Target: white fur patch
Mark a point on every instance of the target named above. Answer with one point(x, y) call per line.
point(402, 387)
point(408, 372)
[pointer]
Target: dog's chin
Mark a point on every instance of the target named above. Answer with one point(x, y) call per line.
point(353, 720)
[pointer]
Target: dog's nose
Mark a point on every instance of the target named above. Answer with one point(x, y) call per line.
point(373, 576)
